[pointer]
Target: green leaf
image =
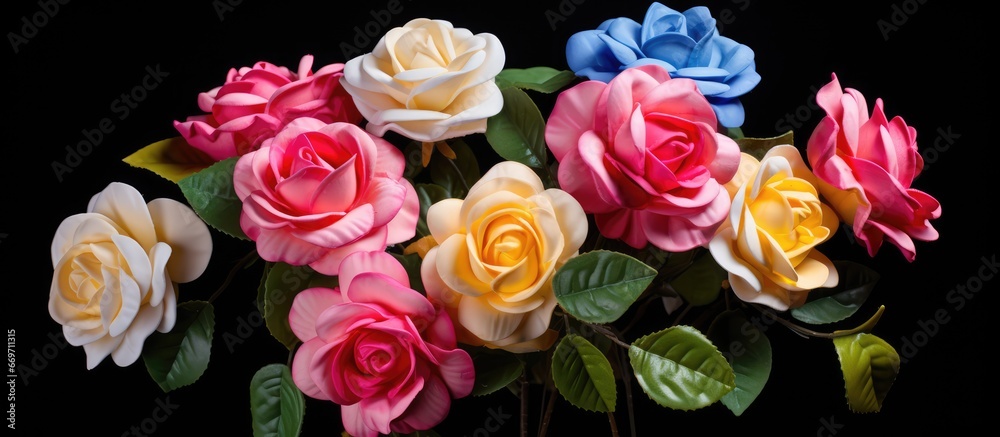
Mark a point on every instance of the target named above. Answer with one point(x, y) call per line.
point(749, 352)
point(412, 263)
point(495, 368)
point(211, 194)
point(173, 159)
point(283, 283)
point(870, 366)
point(828, 305)
point(413, 153)
point(584, 375)
point(427, 194)
point(277, 406)
point(757, 147)
point(179, 357)
point(541, 79)
point(262, 287)
point(455, 175)
point(732, 132)
point(517, 133)
point(599, 286)
point(701, 282)
point(680, 368)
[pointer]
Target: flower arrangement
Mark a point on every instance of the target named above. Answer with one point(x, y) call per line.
point(428, 271)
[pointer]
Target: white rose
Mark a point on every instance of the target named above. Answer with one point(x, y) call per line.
point(116, 268)
point(427, 81)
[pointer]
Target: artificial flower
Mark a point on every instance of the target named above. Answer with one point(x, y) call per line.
point(499, 248)
point(642, 154)
point(687, 44)
point(317, 192)
point(768, 242)
point(255, 102)
point(379, 349)
point(428, 81)
point(866, 166)
point(116, 270)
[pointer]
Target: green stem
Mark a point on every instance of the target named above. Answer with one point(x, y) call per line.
point(609, 334)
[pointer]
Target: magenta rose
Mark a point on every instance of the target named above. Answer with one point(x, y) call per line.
point(379, 349)
point(317, 192)
point(255, 102)
point(866, 166)
point(642, 154)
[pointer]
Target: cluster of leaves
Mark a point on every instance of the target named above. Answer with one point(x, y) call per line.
point(678, 366)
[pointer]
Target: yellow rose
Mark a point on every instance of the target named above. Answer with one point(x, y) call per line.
point(776, 221)
point(116, 268)
point(498, 251)
point(427, 81)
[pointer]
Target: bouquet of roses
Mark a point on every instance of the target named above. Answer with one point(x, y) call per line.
point(405, 269)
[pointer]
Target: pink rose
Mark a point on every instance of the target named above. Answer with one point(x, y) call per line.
point(866, 166)
point(317, 192)
point(642, 154)
point(256, 102)
point(379, 349)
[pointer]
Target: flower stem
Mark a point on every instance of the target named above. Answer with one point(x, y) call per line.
point(524, 404)
point(461, 177)
point(244, 262)
point(549, 406)
point(614, 425)
point(611, 335)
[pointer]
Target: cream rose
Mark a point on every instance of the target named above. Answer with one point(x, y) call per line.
point(776, 220)
point(116, 269)
point(498, 251)
point(428, 81)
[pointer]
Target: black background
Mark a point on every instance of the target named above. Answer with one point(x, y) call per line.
point(931, 70)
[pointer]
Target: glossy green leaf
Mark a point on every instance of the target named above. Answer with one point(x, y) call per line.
point(828, 305)
point(283, 283)
point(732, 132)
point(749, 353)
point(427, 194)
point(211, 194)
point(179, 357)
point(870, 366)
point(757, 147)
point(495, 369)
point(455, 176)
point(680, 368)
point(173, 159)
point(413, 155)
point(701, 282)
point(277, 406)
point(262, 286)
point(584, 375)
point(541, 79)
point(517, 133)
point(411, 263)
point(599, 286)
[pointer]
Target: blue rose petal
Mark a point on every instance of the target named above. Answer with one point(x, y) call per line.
point(627, 32)
point(687, 44)
point(672, 48)
point(660, 19)
point(704, 73)
point(700, 24)
point(587, 51)
point(728, 111)
point(652, 61)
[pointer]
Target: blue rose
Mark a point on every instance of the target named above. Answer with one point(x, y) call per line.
point(687, 44)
